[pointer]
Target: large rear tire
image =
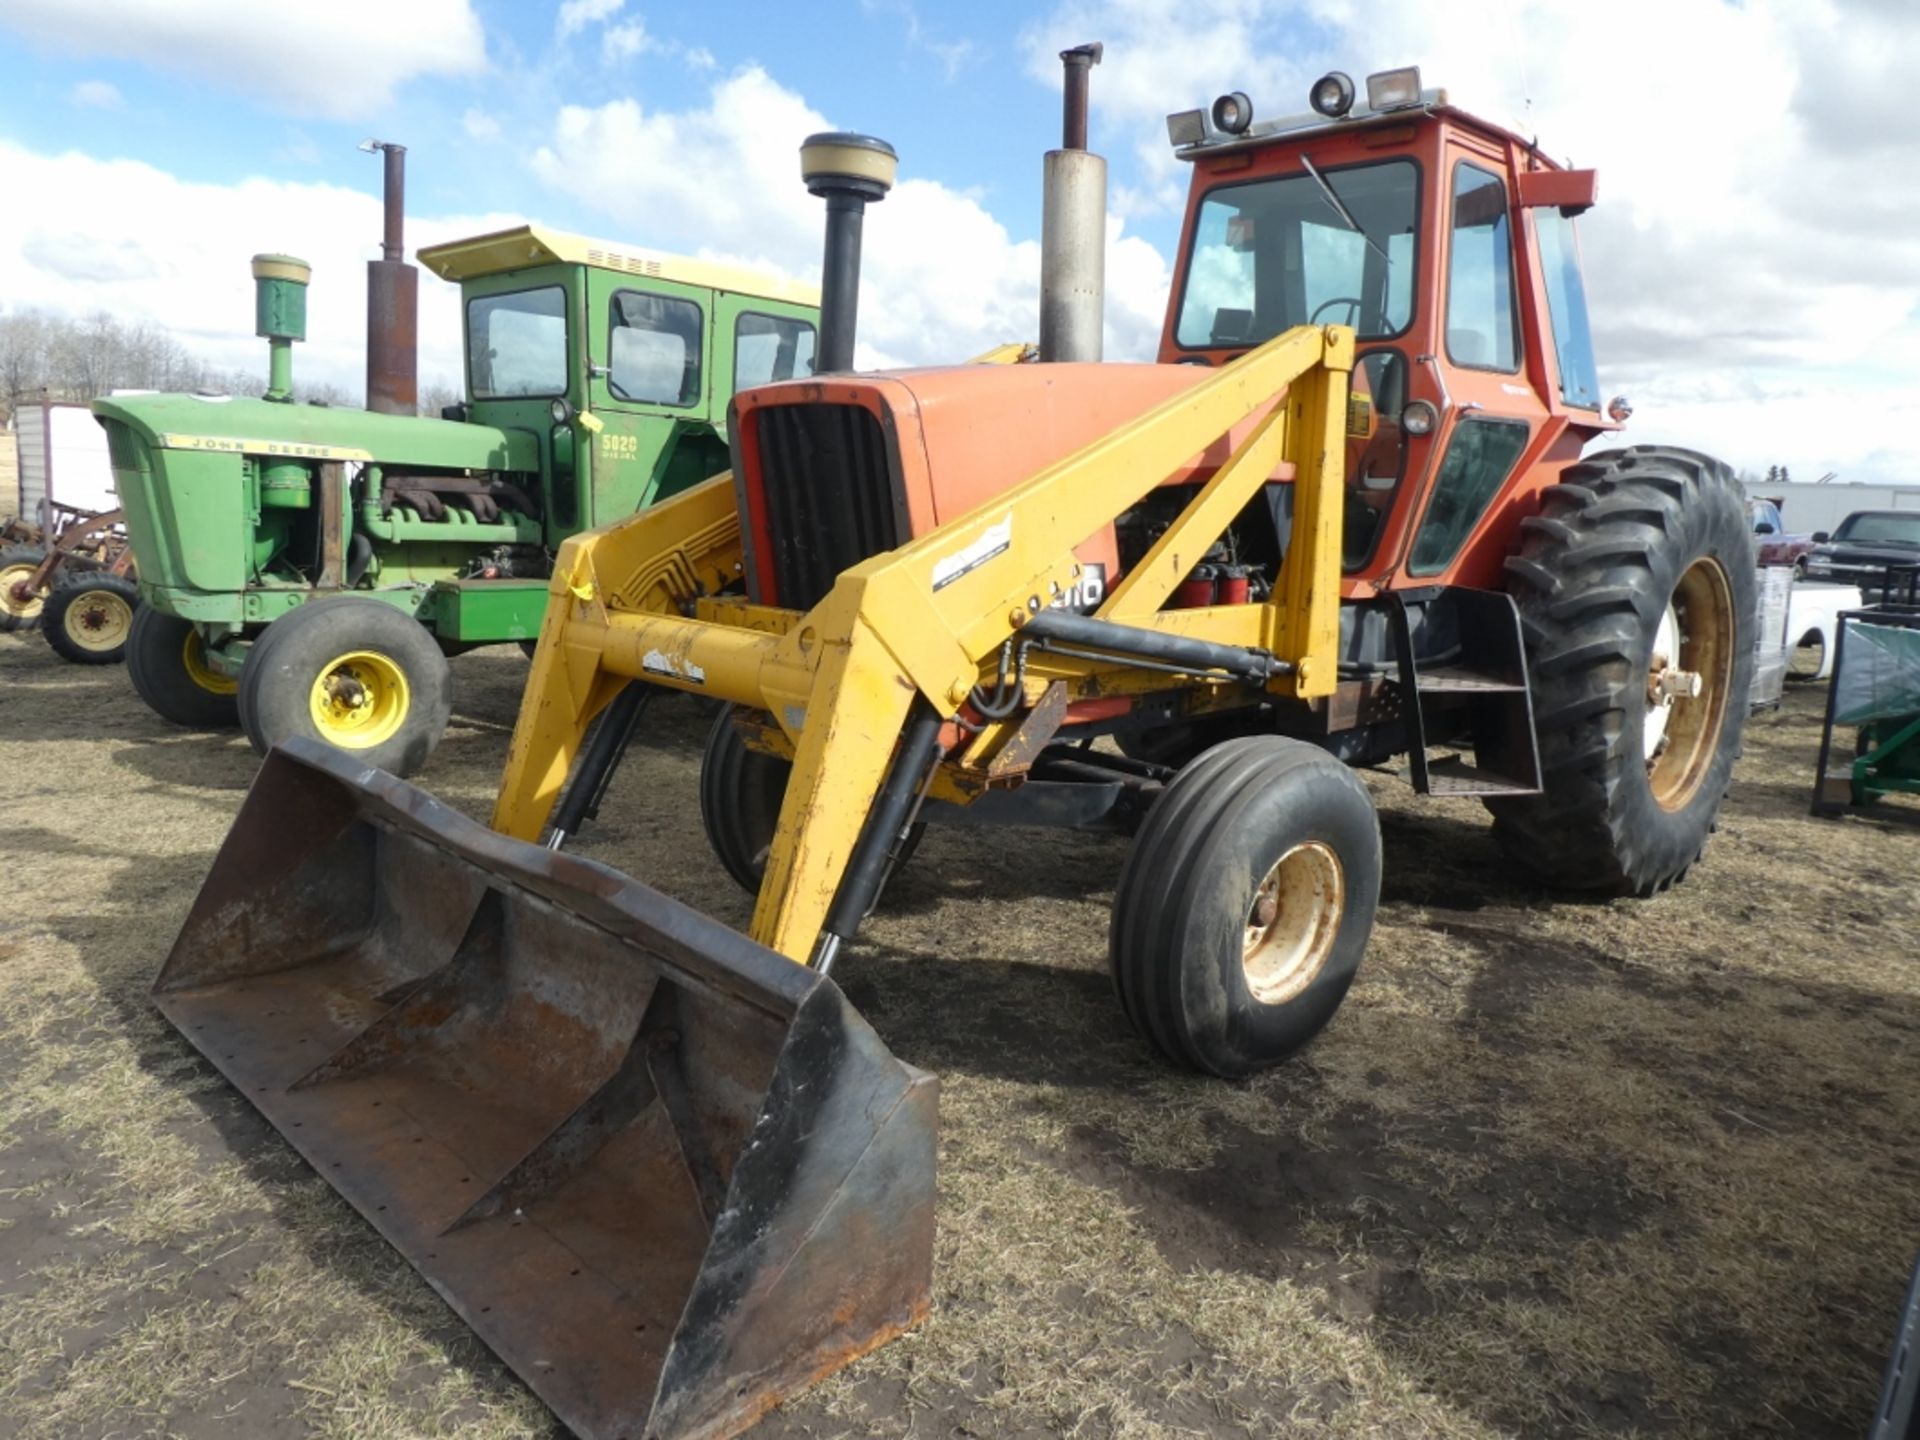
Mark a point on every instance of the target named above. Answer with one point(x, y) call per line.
point(1635, 578)
point(1245, 905)
point(169, 669)
point(19, 609)
point(352, 673)
point(89, 617)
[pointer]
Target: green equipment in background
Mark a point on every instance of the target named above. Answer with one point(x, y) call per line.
point(307, 569)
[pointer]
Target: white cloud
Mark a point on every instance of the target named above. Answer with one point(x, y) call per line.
point(99, 94)
point(335, 58)
point(64, 246)
point(943, 280)
point(626, 40)
point(1755, 227)
point(576, 15)
point(479, 125)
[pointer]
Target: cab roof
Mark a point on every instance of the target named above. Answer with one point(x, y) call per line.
point(1263, 133)
point(528, 245)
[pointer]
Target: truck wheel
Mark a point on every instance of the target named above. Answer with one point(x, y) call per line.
point(89, 617)
point(168, 667)
point(355, 674)
point(19, 608)
point(740, 795)
point(1245, 905)
point(1636, 592)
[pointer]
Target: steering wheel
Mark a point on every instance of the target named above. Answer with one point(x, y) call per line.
point(1351, 302)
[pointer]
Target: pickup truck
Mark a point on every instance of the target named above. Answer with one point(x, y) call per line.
point(1772, 543)
point(1813, 613)
point(1865, 545)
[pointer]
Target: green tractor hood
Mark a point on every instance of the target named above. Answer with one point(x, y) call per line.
point(236, 425)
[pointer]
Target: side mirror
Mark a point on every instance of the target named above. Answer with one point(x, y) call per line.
point(1821, 537)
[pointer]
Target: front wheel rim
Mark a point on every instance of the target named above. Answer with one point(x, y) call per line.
point(14, 600)
point(1682, 732)
point(99, 620)
point(1292, 922)
point(193, 659)
point(359, 700)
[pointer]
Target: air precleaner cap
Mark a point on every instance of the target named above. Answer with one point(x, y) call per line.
point(840, 161)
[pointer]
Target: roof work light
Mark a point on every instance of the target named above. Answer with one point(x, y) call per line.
point(1232, 113)
point(1394, 89)
point(1332, 94)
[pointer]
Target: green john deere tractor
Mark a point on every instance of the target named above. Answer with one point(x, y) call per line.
point(307, 570)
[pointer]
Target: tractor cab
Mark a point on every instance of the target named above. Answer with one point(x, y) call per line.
point(1447, 244)
point(622, 361)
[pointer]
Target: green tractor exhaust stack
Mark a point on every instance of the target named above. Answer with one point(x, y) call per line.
point(307, 570)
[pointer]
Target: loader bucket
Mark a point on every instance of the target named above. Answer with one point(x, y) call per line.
point(668, 1175)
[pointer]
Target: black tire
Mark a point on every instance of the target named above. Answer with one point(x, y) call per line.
point(89, 617)
point(1179, 940)
point(1593, 578)
point(740, 795)
point(166, 664)
point(389, 689)
point(16, 563)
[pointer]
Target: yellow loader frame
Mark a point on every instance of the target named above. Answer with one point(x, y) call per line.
point(641, 601)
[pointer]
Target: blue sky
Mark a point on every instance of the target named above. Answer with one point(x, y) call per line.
point(1754, 263)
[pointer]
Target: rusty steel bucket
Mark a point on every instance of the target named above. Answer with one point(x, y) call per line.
point(666, 1174)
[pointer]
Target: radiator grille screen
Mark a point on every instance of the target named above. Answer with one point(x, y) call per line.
point(829, 494)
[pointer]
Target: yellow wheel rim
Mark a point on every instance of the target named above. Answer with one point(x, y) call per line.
point(99, 620)
point(193, 659)
point(21, 608)
point(1293, 921)
point(359, 700)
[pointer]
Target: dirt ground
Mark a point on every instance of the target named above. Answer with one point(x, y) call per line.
point(1556, 1169)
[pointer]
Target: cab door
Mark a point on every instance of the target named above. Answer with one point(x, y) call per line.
point(650, 386)
point(1493, 415)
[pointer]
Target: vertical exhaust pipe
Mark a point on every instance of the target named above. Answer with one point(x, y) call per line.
point(393, 300)
point(1073, 226)
point(847, 171)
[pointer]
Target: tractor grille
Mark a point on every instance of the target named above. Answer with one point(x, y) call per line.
point(830, 496)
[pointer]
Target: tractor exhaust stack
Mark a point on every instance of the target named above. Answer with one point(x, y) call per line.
point(393, 300)
point(847, 171)
point(1073, 226)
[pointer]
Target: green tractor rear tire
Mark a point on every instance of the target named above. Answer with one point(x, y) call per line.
point(89, 617)
point(17, 564)
point(1635, 585)
point(169, 670)
point(352, 673)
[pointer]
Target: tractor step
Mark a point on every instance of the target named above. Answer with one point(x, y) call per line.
point(1481, 689)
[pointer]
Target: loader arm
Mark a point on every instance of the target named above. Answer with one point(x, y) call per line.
point(927, 621)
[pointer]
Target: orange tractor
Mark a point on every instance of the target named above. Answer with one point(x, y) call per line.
point(664, 1169)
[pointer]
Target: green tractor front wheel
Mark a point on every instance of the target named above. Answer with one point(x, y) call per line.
point(168, 666)
point(355, 674)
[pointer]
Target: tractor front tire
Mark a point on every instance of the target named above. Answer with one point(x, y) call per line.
point(1245, 905)
point(169, 669)
point(741, 791)
point(355, 674)
point(17, 564)
point(89, 617)
point(1634, 583)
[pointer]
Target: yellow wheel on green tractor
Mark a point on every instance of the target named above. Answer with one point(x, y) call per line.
point(89, 617)
point(354, 673)
point(359, 700)
point(168, 664)
point(20, 606)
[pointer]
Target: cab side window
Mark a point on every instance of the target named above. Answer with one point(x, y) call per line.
point(654, 349)
point(1482, 323)
point(770, 347)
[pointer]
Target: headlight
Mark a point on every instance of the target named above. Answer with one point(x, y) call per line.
point(1419, 417)
point(561, 411)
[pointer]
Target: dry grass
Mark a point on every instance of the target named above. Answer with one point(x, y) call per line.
point(1556, 1169)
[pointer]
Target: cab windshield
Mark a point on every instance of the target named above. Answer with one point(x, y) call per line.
point(1322, 247)
point(1879, 528)
point(517, 344)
